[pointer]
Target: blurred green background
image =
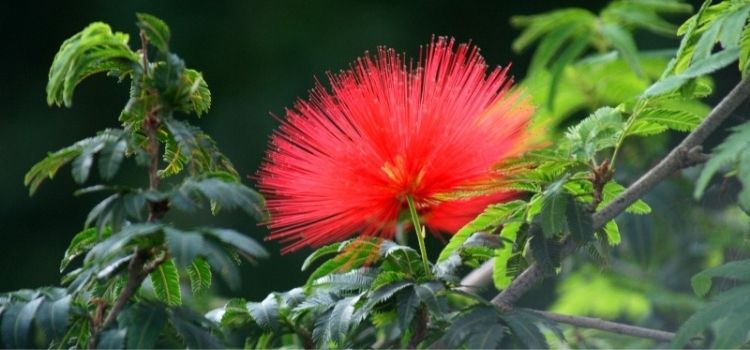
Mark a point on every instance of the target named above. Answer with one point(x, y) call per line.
point(257, 57)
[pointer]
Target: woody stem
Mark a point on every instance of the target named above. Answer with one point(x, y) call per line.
point(420, 235)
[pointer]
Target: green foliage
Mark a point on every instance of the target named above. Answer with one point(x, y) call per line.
point(726, 314)
point(567, 34)
point(732, 152)
point(166, 281)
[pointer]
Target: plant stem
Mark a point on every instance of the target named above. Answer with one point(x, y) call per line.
point(608, 326)
point(420, 235)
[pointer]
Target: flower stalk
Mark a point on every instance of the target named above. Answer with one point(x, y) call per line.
point(419, 229)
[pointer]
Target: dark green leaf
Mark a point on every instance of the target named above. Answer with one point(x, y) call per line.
point(720, 307)
point(579, 221)
point(738, 270)
point(53, 316)
point(111, 158)
point(724, 154)
point(144, 325)
point(229, 195)
point(82, 166)
point(239, 241)
point(552, 216)
point(113, 339)
point(16, 323)
point(184, 246)
point(195, 337)
point(406, 307)
point(81, 242)
point(523, 328)
point(430, 295)
point(541, 250)
point(222, 264)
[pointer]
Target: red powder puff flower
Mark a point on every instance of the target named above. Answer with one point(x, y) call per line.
point(344, 162)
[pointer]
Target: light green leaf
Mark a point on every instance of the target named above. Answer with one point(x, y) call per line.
point(156, 31)
point(199, 273)
point(239, 241)
point(625, 45)
point(698, 68)
point(93, 50)
point(166, 281)
point(266, 313)
point(491, 218)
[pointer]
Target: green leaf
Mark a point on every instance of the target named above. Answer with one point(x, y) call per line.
point(698, 68)
point(429, 293)
point(82, 166)
point(321, 252)
point(406, 307)
point(722, 305)
point(145, 323)
point(117, 241)
point(48, 167)
point(500, 269)
point(570, 53)
point(579, 221)
point(674, 119)
point(199, 273)
point(16, 323)
point(155, 30)
point(200, 96)
point(111, 158)
point(624, 43)
point(166, 281)
point(183, 246)
point(195, 337)
point(550, 45)
point(336, 326)
point(613, 189)
point(475, 323)
point(352, 257)
point(552, 216)
point(239, 241)
point(541, 250)
point(112, 339)
point(266, 313)
point(492, 217)
point(737, 270)
point(53, 316)
point(235, 313)
point(228, 195)
point(744, 58)
point(93, 50)
point(523, 328)
point(724, 154)
point(600, 130)
point(612, 232)
point(222, 264)
point(81, 242)
point(731, 28)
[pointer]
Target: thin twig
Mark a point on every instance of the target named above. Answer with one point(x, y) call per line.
point(687, 153)
point(608, 326)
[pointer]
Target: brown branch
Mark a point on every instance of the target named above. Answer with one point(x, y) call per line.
point(687, 153)
point(608, 326)
point(420, 330)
